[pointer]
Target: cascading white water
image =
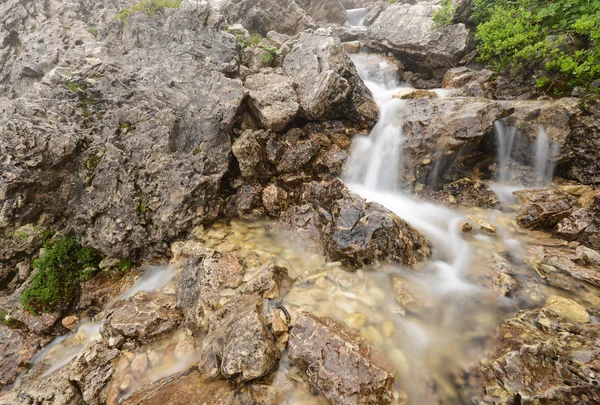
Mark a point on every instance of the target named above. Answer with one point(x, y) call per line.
point(356, 16)
point(544, 153)
point(372, 171)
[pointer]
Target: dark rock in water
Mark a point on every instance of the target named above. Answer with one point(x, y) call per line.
point(543, 209)
point(204, 273)
point(262, 16)
point(239, 344)
point(325, 11)
point(583, 225)
point(246, 203)
point(345, 227)
point(415, 41)
point(143, 318)
point(328, 85)
point(549, 355)
point(339, 362)
point(465, 192)
point(270, 282)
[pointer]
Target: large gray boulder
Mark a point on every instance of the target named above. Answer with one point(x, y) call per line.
point(408, 30)
point(327, 82)
point(325, 11)
point(262, 16)
point(130, 152)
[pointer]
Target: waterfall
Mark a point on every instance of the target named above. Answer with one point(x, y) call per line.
point(505, 140)
point(356, 16)
point(545, 154)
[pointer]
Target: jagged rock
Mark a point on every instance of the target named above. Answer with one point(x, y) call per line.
point(55, 389)
point(274, 199)
point(583, 225)
point(465, 192)
point(246, 203)
point(262, 16)
point(239, 344)
point(544, 356)
point(296, 155)
point(11, 346)
point(543, 209)
point(325, 11)
point(344, 227)
point(339, 362)
point(92, 370)
point(270, 282)
point(248, 150)
point(272, 100)
point(104, 287)
point(469, 82)
point(102, 131)
point(328, 85)
point(415, 41)
point(16, 248)
point(142, 318)
point(204, 273)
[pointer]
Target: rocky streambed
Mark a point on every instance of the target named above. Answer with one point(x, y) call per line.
point(285, 202)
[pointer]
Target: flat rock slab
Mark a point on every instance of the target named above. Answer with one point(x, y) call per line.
point(339, 362)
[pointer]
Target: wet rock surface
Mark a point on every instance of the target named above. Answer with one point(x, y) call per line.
point(548, 355)
point(339, 362)
point(347, 228)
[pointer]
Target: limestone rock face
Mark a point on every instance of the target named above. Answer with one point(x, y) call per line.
point(407, 30)
point(117, 141)
point(345, 227)
point(339, 362)
point(262, 16)
point(325, 11)
point(583, 225)
point(327, 82)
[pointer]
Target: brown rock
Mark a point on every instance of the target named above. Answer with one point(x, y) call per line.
point(239, 344)
point(339, 362)
point(70, 322)
point(143, 318)
point(543, 209)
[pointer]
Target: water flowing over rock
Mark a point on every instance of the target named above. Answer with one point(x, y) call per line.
point(347, 228)
point(339, 362)
point(415, 40)
point(328, 85)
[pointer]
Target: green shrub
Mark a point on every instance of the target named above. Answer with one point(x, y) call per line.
point(442, 17)
point(147, 6)
point(59, 272)
point(563, 37)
